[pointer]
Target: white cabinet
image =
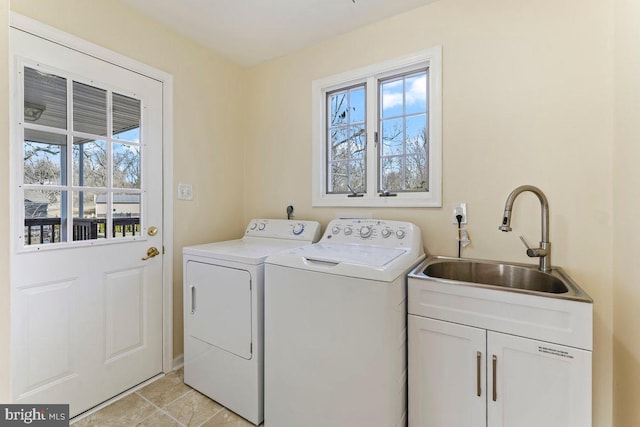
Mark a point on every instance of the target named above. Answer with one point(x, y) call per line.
point(484, 357)
point(447, 374)
point(535, 383)
point(462, 376)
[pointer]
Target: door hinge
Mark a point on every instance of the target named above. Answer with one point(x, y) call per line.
point(162, 249)
point(250, 348)
point(375, 137)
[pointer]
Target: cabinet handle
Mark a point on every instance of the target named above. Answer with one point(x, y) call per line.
point(479, 376)
point(495, 381)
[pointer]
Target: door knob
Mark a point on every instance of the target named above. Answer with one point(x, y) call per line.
point(151, 252)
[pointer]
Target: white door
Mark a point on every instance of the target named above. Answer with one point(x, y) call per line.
point(534, 383)
point(447, 372)
point(87, 185)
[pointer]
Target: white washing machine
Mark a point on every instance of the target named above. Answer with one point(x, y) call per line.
point(223, 312)
point(335, 327)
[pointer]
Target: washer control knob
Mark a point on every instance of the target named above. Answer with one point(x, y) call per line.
point(386, 233)
point(400, 234)
point(262, 226)
point(253, 226)
point(348, 231)
point(335, 229)
point(365, 231)
point(298, 229)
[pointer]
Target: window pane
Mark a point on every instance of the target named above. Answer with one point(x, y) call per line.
point(89, 163)
point(339, 143)
point(357, 176)
point(416, 136)
point(126, 166)
point(86, 223)
point(89, 109)
point(338, 177)
point(416, 93)
point(338, 105)
point(392, 137)
point(45, 99)
point(404, 148)
point(44, 220)
point(392, 98)
point(126, 118)
point(44, 158)
point(126, 215)
point(391, 179)
point(357, 138)
point(416, 178)
point(357, 111)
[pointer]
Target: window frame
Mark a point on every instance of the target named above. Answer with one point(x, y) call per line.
point(370, 75)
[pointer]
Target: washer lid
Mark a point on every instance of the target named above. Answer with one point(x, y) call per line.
point(350, 260)
point(371, 256)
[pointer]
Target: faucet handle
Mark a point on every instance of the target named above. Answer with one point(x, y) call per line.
point(533, 252)
point(526, 244)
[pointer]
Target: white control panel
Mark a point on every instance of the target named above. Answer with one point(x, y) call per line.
point(375, 232)
point(284, 229)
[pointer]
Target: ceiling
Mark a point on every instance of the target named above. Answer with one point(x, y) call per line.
point(252, 31)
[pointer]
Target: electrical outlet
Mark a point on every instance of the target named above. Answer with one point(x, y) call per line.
point(459, 209)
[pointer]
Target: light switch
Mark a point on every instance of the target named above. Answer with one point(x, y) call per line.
point(185, 192)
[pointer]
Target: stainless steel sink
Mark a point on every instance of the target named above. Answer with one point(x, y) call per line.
point(499, 275)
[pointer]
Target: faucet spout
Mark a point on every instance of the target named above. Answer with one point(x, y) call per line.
point(544, 251)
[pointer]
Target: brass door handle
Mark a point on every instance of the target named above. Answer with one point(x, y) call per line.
point(151, 252)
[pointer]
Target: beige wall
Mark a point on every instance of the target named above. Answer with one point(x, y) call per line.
point(527, 100)
point(626, 268)
point(207, 145)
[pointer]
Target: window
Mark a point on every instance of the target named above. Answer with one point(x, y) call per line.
point(377, 134)
point(81, 175)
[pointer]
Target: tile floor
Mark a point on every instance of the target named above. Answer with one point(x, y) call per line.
point(167, 402)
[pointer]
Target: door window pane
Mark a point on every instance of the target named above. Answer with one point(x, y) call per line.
point(126, 165)
point(45, 219)
point(89, 163)
point(44, 158)
point(126, 215)
point(87, 224)
point(126, 118)
point(89, 109)
point(45, 99)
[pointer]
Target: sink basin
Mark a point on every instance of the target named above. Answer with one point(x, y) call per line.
point(499, 275)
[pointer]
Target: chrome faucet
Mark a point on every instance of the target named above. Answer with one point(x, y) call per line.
point(544, 251)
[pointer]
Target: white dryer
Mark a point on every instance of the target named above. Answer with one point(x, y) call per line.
point(223, 312)
point(335, 327)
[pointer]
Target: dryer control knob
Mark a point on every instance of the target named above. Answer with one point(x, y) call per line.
point(335, 230)
point(298, 229)
point(386, 233)
point(262, 226)
point(253, 226)
point(365, 231)
point(348, 231)
point(400, 234)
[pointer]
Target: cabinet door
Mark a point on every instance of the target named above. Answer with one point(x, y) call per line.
point(447, 373)
point(533, 383)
